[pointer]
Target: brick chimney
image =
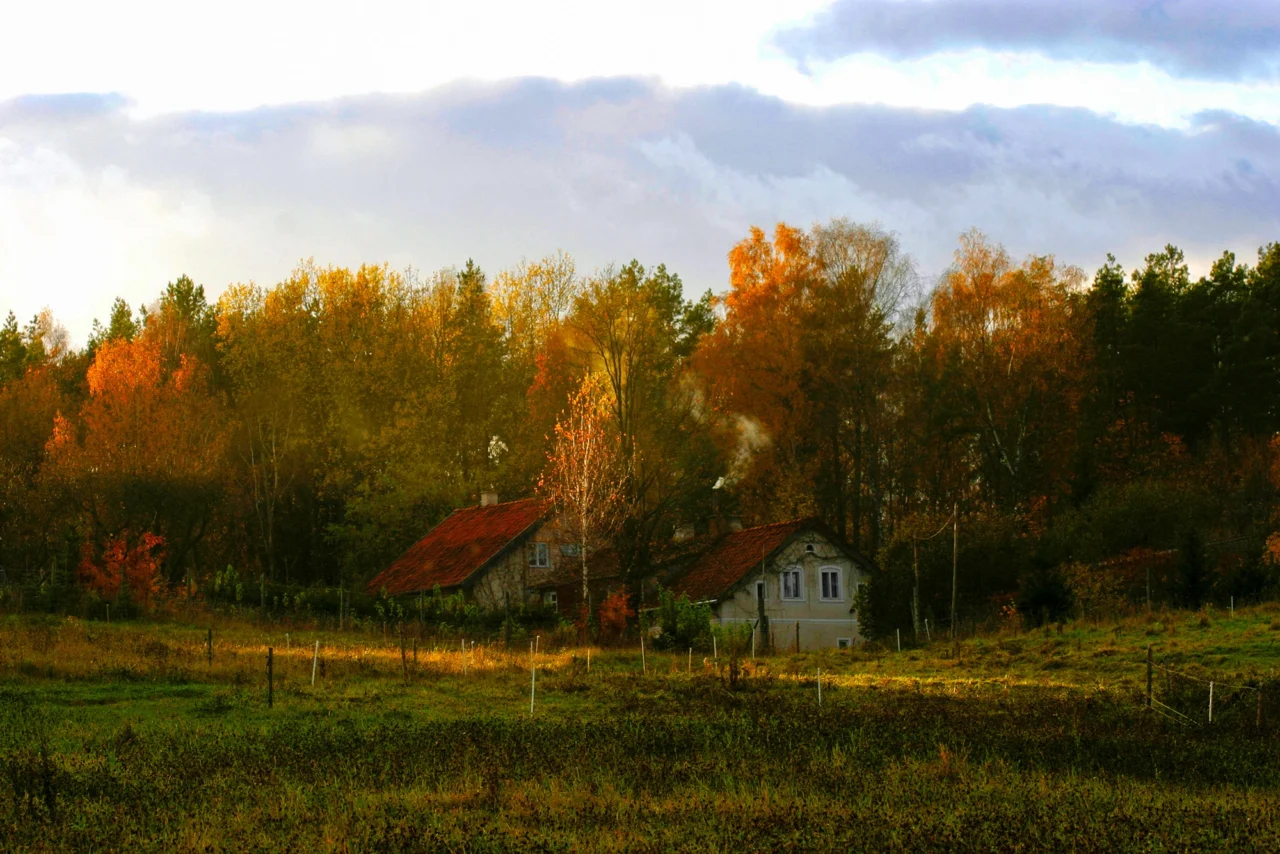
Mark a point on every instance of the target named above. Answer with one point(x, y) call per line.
point(488, 497)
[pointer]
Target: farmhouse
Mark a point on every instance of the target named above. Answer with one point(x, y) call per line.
point(501, 554)
point(801, 571)
point(492, 553)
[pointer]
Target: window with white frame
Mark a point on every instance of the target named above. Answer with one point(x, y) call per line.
point(539, 554)
point(844, 643)
point(832, 590)
point(792, 583)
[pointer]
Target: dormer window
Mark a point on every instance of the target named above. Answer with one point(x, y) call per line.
point(809, 549)
point(539, 554)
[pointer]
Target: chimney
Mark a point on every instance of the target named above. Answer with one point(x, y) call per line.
point(488, 497)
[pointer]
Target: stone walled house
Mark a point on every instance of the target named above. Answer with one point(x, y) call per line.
point(802, 570)
point(493, 553)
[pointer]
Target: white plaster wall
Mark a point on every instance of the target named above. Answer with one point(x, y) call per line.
point(821, 623)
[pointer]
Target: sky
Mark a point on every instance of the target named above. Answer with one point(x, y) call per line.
point(143, 140)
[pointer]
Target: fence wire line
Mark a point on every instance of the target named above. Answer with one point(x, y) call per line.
point(1175, 713)
point(1213, 682)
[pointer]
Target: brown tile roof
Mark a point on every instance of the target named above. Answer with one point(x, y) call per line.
point(463, 543)
point(728, 559)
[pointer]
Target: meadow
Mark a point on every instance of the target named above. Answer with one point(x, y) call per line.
point(131, 736)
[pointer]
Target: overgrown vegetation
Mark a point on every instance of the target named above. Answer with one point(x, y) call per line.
point(129, 737)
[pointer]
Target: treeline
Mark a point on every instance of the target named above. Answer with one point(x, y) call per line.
point(1100, 442)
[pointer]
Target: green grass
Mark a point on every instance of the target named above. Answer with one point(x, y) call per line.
point(125, 738)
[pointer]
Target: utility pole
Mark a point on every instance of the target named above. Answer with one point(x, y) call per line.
point(955, 556)
point(915, 590)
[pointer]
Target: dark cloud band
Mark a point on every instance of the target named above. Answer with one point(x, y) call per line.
point(1215, 39)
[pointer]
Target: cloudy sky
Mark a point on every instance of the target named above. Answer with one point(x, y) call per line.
point(140, 140)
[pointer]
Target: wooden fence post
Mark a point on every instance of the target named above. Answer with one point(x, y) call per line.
point(315, 659)
point(1210, 702)
point(270, 679)
point(1148, 676)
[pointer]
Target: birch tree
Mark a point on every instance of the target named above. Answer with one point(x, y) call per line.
point(586, 475)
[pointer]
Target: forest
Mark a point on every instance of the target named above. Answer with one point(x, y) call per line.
point(1087, 442)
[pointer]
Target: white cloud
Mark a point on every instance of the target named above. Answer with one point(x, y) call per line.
point(95, 203)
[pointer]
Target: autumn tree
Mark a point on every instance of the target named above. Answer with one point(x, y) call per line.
point(586, 474)
point(144, 452)
point(1009, 345)
point(634, 328)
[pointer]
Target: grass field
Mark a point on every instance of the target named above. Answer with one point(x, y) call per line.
point(125, 737)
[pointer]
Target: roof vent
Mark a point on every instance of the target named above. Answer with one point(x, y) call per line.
point(488, 498)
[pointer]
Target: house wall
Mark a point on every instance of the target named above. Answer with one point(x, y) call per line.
point(821, 623)
point(511, 575)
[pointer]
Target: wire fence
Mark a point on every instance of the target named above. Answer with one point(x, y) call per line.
point(1207, 698)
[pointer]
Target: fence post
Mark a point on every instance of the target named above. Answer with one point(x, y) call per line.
point(270, 679)
point(797, 635)
point(1148, 675)
point(899, 633)
point(533, 678)
point(315, 659)
point(1210, 702)
point(644, 668)
point(819, 686)
point(715, 649)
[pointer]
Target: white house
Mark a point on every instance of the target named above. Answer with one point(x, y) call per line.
point(805, 575)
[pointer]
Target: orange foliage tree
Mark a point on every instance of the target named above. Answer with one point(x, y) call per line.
point(126, 562)
point(1008, 339)
point(145, 452)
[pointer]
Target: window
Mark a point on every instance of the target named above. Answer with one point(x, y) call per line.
point(831, 590)
point(844, 643)
point(809, 548)
point(551, 598)
point(791, 584)
point(760, 590)
point(539, 554)
point(569, 549)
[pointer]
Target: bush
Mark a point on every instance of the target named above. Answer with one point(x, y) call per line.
point(683, 623)
point(1044, 598)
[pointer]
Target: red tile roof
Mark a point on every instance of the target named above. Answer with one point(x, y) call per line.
point(459, 546)
point(728, 560)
